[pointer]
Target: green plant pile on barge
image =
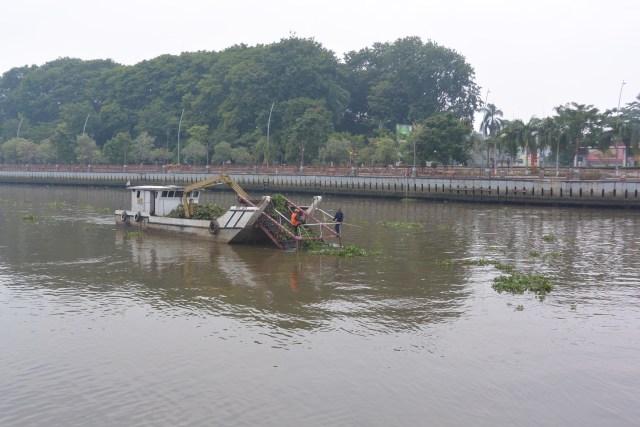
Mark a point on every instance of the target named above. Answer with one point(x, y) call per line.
point(203, 211)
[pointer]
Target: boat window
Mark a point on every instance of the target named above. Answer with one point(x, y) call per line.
point(178, 193)
point(138, 195)
point(164, 193)
point(170, 193)
point(196, 194)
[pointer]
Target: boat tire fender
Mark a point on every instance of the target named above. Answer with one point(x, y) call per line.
point(137, 217)
point(123, 216)
point(214, 227)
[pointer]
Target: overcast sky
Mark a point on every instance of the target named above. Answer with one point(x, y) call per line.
point(529, 57)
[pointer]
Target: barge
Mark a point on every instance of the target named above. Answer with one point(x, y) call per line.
point(154, 207)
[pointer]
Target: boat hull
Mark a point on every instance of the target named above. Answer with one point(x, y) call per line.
point(202, 229)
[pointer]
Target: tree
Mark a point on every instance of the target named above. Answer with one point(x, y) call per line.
point(116, 149)
point(199, 134)
point(491, 120)
point(406, 82)
point(307, 135)
point(64, 144)
point(87, 151)
point(221, 153)
point(443, 138)
point(336, 151)
point(490, 125)
point(385, 151)
point(580, 122)
point(45, 152)
point(510, 137)
point(9, 150)
point(241, 155)
point(195, 152)
point(142, 148)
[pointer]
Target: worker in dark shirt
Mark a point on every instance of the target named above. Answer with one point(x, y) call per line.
point(338, 219)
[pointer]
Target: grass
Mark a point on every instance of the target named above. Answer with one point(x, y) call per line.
point(29, 217)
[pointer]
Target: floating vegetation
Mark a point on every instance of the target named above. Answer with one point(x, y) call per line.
point(133, 234)
point(504, 267)
point(398, 224)
point(519, 307)
point(203, 211)
point(345, 251)
point(534, 254)
point(519, 283)
point(58, 205)
point(514, 281)
point(549, 238)
point(88, 207)
point(445, 263)
point(553, 255)
point(29, 217)
point(482, 262)
point(443, 228)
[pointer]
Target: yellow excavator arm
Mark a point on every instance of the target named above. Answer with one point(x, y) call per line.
point(207, 183)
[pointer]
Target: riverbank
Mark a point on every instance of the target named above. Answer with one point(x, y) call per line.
point(512, 190)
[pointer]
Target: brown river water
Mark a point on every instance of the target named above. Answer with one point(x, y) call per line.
point(102, 327)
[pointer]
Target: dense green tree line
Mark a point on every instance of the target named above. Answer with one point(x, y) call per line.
point(292, 101)
point(289, 102)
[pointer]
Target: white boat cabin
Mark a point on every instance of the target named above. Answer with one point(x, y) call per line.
point(159, 200)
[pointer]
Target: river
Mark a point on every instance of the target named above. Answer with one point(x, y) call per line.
point(103, 327)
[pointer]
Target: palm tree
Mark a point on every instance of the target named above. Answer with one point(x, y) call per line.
point(491, 120)
point(491, 123)
point(509, 137)
point(531, 138)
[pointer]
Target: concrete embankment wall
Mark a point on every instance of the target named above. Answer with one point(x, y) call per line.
point(605, 193)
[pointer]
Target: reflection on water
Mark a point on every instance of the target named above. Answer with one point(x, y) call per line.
point(146, 329)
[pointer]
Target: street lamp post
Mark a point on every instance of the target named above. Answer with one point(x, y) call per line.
point(414, 171)
point(179, 126)
point(268, 126)
point(85, 124)
point(624, 155)
point(19, 126)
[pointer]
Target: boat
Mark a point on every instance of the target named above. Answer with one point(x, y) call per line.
point(154, 207)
